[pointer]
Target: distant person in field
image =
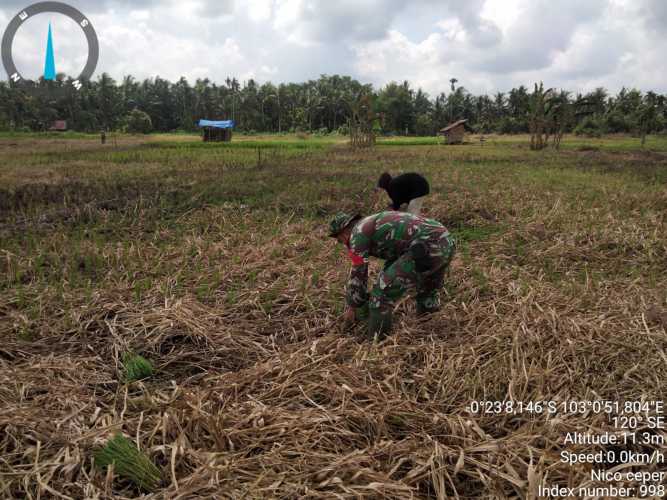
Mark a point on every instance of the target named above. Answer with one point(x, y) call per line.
point(417, 252)
point(406, 191)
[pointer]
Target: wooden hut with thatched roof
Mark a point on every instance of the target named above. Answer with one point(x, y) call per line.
point(454, 133)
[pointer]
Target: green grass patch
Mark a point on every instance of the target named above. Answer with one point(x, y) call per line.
point(68, 135)
point(409, 141)
point(467, 234)
point(129, 463)
point(248, 144)
point(136, 367)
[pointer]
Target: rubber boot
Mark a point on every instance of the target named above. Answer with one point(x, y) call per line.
point(423, 309)
point(379, 323)
point(361, 313)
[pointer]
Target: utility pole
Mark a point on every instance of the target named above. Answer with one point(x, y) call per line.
point(451, 99)
point(278, 96)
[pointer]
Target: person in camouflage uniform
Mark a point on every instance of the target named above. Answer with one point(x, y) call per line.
point(417, 252)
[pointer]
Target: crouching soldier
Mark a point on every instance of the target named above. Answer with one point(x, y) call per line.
point(417, 252)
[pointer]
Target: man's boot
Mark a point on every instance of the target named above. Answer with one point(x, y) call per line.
point(379, 323)
point(426, 307)
point(361, 313)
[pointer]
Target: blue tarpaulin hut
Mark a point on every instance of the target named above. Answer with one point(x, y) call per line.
point(217, 130)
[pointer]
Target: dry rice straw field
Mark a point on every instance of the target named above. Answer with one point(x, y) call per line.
point(212, 263)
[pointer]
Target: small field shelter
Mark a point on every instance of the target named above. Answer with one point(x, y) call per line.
point(58, 126)
point(454, 133)
point(216, 131)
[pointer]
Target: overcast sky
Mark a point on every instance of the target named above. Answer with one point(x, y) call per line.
point(488, 45)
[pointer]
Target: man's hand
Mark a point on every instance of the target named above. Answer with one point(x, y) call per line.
point(349, 316)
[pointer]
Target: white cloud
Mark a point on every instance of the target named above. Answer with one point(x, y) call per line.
point(232, 51)
point(268, 70)
point(503, 13)
point(259, 10)
point(140, 15)
point(488, 45)
point(453, 30)
point(310, 23)
point(400, 59)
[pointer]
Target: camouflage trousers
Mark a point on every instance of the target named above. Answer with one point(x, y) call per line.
point(401, 276)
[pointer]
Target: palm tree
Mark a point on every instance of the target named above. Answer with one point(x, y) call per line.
point(453, 82)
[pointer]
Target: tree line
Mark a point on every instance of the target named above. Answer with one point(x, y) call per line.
point(324, 105)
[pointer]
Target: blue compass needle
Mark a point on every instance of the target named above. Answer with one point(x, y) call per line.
point(50, 64)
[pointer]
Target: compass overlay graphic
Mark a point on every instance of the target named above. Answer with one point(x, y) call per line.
point(49, 65)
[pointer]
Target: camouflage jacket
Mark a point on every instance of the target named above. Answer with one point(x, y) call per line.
point(385, 235)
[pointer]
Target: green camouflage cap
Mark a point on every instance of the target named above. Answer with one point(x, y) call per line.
point(340, 221)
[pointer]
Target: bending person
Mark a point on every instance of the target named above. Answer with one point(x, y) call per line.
point(419, 250)
point(406, 189)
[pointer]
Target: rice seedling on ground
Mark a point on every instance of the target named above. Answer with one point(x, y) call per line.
point(136, 367)
point(216, 266)
point(128, 462)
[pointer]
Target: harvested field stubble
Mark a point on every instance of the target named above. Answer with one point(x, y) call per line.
point(231, 290)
